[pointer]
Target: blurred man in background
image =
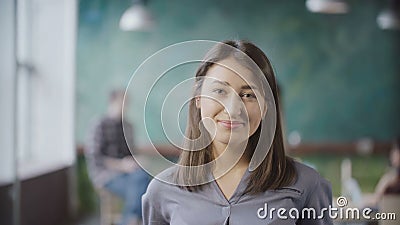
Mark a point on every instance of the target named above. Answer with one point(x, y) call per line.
point(110, 162)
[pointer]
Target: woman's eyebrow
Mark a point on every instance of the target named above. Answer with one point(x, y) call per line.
point(222, 82)
point(249, 87)
point(225, 83)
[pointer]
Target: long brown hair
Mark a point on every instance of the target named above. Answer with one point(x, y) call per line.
point(276, 170)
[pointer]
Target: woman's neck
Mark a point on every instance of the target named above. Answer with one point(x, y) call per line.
point(229, 158)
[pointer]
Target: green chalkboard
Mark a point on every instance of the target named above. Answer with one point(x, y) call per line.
point(339, 74)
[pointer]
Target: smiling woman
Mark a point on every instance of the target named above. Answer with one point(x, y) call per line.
point(230, 103)
point(234, 108)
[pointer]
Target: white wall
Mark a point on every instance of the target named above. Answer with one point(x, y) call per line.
point(7, 68)
point(45, 115)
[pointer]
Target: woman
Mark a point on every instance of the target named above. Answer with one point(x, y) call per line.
point(390, 181)
point(233, 169)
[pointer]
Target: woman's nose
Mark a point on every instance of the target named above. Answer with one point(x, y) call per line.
point(234, 105)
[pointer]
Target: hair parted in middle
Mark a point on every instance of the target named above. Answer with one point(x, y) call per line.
point(276, 170)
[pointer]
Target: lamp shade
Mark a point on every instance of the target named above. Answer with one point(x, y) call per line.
point(136, 18)
point(327, 6)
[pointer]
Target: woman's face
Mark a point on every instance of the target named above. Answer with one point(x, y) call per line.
point(231, 104)
point(395, 157)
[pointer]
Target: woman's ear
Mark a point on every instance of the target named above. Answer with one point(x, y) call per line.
point(197, 101)
point(264, 111)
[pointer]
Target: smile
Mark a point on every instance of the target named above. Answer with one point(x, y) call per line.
point(230, 124)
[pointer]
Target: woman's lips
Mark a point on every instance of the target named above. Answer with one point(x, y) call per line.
point(230, 124)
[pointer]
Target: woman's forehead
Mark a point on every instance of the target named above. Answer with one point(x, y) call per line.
point(231, 72)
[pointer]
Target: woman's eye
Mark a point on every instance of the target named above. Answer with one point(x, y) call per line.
point(248, 95)
point(219, 91)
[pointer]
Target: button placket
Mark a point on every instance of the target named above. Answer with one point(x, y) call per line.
point(226, 211)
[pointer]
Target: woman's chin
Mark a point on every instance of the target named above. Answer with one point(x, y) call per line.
point(231, 139)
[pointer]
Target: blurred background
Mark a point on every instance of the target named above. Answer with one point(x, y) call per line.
point(337, 64)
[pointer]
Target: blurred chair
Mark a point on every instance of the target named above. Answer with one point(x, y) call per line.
point(390, 203)
point(110, 207)
point(350, 187)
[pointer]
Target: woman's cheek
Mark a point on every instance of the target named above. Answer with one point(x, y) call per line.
point(254, 118)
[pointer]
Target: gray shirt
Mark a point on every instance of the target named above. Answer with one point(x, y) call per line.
point(169, 204)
